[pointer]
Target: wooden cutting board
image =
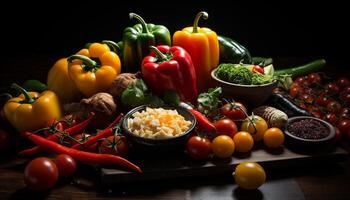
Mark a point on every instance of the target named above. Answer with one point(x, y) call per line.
point(173, 165)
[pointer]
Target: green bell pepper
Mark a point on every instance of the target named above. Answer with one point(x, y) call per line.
point(137, 39)
point(233, 52)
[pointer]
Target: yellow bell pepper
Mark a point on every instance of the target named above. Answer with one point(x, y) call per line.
point(203, 46)
point(58, 81)
point(94, 69)
point(31, 110)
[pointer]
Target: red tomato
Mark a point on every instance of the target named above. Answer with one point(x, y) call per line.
point(338, 135)
point(344, 125)
point(314, 78)
point(199, 148)
point(5, 140)
point(53, 126)
point(346, 90)
point(334, 107)
point(300, 79)
point(115, 145)
point(226, 127)
point(66, 165)
point(41, 174)
point(307, 98)
point(343, 82)
point(234, 111)
point(294, 91)
point(82, 137)
point(345, 113)
point(331, 118)
point(346, 98)
point(258, 69)
point(332, 88)
point(323, 100)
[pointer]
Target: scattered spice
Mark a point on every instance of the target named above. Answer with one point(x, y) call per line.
point(308, 129)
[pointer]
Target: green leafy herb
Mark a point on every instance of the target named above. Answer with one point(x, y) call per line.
point(208, 102)
point(134, 94)
point(171, 98)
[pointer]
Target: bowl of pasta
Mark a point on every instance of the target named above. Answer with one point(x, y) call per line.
point(158, 127)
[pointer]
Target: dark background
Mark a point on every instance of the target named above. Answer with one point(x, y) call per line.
point(40, 33)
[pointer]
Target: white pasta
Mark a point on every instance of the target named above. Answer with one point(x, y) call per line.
point(157, 123)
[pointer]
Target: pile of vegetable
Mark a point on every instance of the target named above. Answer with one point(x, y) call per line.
point(77, 114)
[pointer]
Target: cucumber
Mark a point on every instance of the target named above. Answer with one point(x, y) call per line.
point(303, 69)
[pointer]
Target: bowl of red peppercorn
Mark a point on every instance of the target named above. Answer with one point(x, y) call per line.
point(308, 133)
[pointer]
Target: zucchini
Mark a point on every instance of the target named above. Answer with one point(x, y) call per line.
point(303, 69)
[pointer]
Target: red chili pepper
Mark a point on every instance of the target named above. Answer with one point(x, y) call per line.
point(101, 134)
point(56, 138)
point(82, 156)
point(203, 121)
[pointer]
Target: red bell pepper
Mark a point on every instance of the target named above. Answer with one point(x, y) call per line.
point(170, 68)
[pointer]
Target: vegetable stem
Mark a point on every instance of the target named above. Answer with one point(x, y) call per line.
point(196, 19)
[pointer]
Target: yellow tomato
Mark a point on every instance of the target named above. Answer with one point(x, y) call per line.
point(223, 146)
point(249, 175)
point(273, 137)
point(244, 142)
point(256, 126)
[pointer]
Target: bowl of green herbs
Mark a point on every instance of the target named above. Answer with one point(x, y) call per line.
point(243, 83)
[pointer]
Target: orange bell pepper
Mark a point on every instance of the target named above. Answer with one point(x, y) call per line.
point(203, 46)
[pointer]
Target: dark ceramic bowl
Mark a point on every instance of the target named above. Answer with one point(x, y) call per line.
point(159, 144)
point(251, 94)
point(309, 144)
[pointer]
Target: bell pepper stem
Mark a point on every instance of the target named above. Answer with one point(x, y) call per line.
point(139, 18)
point(28, 99)
point(159, 54)
point(198, 16)
point(113, 45)
point(91, 64)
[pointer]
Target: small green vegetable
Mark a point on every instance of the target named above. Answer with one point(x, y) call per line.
point(303, 69)
point(171, 98)
point(208, 102)
point(34, 85)
point(234, 73)
point(262, 61)
point(134, 94)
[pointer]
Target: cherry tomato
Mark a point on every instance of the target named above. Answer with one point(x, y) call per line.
point(258, 69)
point(223, 146)
point(273, 137)
point(300, 79)
point(5, 140)
point(198, 147)
point(323, 100)
point(244, 142)
point(41, 174)
point(346, 90)
point(53, 126)
point(331, 118)
point(294, 91)
point(334, 107)
point(66, 165)
point(115, 145)
point(344, 125)
point(343, 82)
point(307, 98)
point(338, 135)
point(332, 88)
point(234, 111)
point(256, 126)
point(81, 138)
point(346, 98)
point(249, 175)
point(314, 78)
point(345, 113)
point(226, 127)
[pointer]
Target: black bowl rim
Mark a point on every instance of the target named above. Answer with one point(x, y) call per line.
point(142, 107)
point(328, 125)
point(213, 75)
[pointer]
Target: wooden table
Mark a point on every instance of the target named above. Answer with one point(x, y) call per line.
point(326, 180)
